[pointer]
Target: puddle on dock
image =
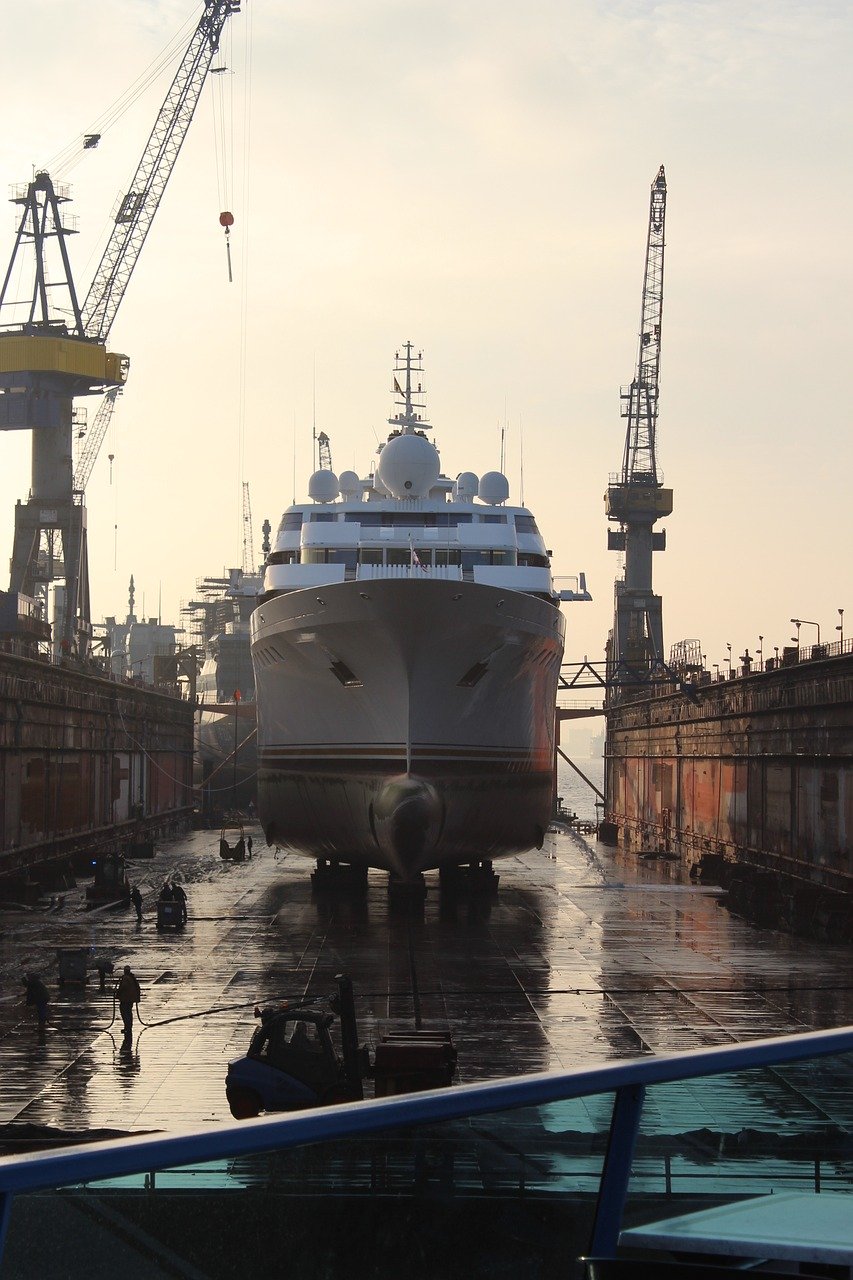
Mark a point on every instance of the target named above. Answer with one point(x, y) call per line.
point(582, 956)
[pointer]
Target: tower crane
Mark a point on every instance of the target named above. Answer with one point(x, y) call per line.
point(248, 537)
point(57, 349)
point(636, 497)
point(324, 451)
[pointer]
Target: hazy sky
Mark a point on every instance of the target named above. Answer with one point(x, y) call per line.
point(475, 177)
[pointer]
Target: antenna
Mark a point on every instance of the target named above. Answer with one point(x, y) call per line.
point(521, 458)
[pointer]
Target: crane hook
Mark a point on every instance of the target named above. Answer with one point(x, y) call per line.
point(226, 220)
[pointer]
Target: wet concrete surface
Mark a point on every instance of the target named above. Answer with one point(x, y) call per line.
point(583, 955)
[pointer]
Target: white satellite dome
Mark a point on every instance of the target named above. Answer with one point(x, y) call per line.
point(494, 488)
point(323, 486)
point(409, 466)
point(467, 485)
point(350, 484)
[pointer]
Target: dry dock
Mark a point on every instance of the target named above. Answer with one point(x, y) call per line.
point(585, 954)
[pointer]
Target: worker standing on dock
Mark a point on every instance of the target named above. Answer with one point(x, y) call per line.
point(36, 994)
point(181, 898)
point(129, 994)
point(136, 899)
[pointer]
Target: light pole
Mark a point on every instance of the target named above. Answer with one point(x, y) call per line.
point(237, 696)
point(729, 658)
point(840, 627)
point(776, 651)
point(806, 622)
point(716, 670)
point(796, 638)
point(760, 651)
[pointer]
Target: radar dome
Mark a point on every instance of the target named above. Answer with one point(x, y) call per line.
point(323, 486)
point(467, 485)
point(409, 466)
point(350, 484)
point(494, 488)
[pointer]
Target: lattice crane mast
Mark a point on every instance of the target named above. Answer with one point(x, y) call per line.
point(636, 497)
point(94, 439)
point(324, 451)
point(138, 207)
point(248, 537)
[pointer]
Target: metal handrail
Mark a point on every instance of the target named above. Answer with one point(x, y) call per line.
point(32, 1172)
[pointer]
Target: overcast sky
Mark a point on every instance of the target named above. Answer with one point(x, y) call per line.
point(473, 177)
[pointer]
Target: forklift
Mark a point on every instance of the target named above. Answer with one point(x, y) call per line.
point(292, 1062)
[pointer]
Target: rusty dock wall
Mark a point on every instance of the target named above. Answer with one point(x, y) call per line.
point(749, 781)
point(86, 762)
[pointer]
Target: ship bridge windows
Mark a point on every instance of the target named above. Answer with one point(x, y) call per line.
point(291, 522)
point(487, 556)
point(422, 557)
point(526, 524)
point(408, 519)
point(284, 557)
point(492, 517)
point(530, 560)
point(323, 517)
point(329, 555)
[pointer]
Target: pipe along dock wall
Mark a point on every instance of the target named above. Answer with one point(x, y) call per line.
point(750, 784)
point(85, 763)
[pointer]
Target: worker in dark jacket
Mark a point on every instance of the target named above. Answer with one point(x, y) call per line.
point(37, 995)
point(136, 899)
point(181, 899)
point(129, 994)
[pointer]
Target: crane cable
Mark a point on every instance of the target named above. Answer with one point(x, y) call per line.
point(70, 155)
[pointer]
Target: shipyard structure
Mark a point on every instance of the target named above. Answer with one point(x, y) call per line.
point(748, 776)
point(92, 763)
point(90, 767)
point(749, 780)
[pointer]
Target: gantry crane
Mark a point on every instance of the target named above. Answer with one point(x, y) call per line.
point(57, 349)
point(636, 497)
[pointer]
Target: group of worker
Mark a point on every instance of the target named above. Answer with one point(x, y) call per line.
point(174, 892)
point(127, 993)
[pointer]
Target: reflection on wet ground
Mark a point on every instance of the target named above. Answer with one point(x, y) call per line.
point(583, 955)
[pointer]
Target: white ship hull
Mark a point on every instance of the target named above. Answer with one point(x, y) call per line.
point(406, 723)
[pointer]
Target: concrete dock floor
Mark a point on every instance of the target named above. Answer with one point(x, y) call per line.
point(583, 955)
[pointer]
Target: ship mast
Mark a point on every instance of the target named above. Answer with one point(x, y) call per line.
point(409, 398)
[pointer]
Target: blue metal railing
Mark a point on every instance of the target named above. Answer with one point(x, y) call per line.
point(626, 1080)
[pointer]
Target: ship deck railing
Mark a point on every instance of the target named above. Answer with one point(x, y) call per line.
point(593, 1152)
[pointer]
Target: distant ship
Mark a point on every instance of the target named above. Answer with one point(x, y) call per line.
point(218, 620)
point(407, 646)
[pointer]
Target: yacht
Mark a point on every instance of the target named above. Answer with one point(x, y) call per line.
point(407, 645)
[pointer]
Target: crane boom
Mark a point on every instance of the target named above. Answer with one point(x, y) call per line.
point(640, 401)
point(95, 438)
point(138, 207)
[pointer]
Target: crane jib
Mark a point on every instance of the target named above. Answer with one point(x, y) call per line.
point(137, 208)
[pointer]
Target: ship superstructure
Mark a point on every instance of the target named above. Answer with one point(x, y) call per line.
point(407, 647)
point(218, 624)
